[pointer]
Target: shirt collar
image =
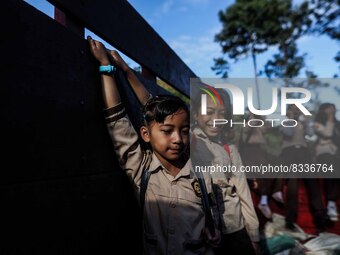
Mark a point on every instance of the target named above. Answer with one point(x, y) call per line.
point(198, 132)
point(156, 165)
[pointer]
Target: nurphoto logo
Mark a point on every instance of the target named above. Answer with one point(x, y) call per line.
point(239, 105)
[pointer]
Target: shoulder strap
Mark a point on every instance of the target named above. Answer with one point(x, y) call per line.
point(143, 186)
point(193, 141)
point(206, 204)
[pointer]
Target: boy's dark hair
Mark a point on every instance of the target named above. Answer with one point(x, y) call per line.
point(159, 107)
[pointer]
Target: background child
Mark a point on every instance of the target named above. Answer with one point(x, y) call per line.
point(327, 151)
point(235, 210)
point(253, 153)
point(295, 151)
point(174, 220)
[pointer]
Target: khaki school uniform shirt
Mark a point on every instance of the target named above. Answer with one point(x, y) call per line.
point(296, 136)
point(234, 202)
point(325, 145)
point(173, 214)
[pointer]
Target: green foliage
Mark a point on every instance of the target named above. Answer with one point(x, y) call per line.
point(325, 14)
point(221, 67)
point(249, 27)
point(326, 20)
point(172, 90)
point(287, 63)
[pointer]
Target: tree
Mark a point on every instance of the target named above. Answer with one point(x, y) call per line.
point(308, 18)
point(325, 14)
point(287, 63)
point(249, 27)
point(221, 67)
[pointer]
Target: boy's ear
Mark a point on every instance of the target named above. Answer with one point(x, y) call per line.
point(145, 134)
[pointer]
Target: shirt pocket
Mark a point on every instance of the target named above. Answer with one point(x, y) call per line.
point(190, 197)
point(191, 207)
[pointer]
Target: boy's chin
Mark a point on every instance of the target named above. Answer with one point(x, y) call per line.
point(173, 157)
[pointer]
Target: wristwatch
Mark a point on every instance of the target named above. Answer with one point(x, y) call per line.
point(107, 69)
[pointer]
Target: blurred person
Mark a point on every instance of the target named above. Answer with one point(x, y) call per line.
point(234, 211)
point(327, 128)
point(252, 148)
point(295, 151)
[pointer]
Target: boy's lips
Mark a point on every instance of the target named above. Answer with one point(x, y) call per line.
point(175, 149)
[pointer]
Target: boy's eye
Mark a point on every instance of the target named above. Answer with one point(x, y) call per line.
point(166, 131)
point(185, 131)
point(210, 112)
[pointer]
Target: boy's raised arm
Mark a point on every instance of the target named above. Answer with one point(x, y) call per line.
point(110, 92)
point(123, 135)
point(141, 92)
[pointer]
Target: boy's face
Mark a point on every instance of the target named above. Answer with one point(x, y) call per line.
point(206, 122)
point(170, 138)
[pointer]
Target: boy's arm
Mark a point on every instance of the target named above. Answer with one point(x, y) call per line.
point(123, 135)
point(321, 131)
point(110, 92)
point(247, 206)
point(141, 92)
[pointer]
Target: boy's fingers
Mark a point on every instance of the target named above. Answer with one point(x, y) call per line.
point(91, 41)
point(208, 234)
point(114, 54)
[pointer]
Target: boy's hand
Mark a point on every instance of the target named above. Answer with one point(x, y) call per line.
point(213, 240)
point(98, 50)
point(257, 248)
point(117, 60)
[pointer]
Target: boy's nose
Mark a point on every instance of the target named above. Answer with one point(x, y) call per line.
point(177, 137)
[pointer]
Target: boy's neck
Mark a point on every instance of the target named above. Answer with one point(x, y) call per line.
point(173, 167)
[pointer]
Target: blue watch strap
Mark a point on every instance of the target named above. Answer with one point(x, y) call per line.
point(107, 69)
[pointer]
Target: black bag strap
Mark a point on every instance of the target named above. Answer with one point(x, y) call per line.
point(206, 204)
point(143, 186)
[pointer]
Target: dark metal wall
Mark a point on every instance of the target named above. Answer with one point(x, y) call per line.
point(120, 24)
point(61, 189)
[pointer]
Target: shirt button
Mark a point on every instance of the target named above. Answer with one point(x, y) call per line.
point(172, 204)
point(173, 183)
